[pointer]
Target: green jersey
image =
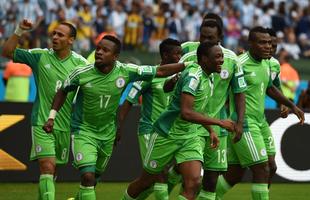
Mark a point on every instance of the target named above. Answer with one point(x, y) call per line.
point(154, 101)
point(275, 72)
point(49, 72)
point(193, 81)
point(231, 76)
point(99, 94)
point(258, 79)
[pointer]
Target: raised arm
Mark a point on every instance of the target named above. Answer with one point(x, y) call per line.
point(10, 45)
point(170, 83)
point(58, 101)
point(275, 94)
point(169, 69)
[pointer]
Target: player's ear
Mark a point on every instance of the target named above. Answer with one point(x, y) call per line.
point(71, 40)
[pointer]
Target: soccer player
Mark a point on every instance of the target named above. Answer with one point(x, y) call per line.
point(154, 102)
point(94, 117)
point(50, 67)
point(250, 151)
point(175, 134)
point(231, 77)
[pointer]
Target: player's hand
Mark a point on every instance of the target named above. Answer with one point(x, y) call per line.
point(238, 132)
point(284, 111)
point(117, 137)
point(26, 25)
point(228, 125)
point(214, 140)
point(299, 113)
point(48, 126)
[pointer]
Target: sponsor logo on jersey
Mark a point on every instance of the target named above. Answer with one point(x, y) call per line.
point(263, 152)
point(224, 74)
point(47, 66)
point(88, 85)
point(153, 164)
point(38, 148)
point(79, 156)
point(120, 82)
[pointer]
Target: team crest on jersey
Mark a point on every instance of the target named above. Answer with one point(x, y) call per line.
point(273, 75)
point(153, 164)
point(38, 148)
point(120, 82)
point(263, 152)
point(79, 156)
point(224, 74)
point(48, 66)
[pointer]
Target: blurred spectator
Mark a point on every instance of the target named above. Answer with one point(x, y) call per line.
point(133, 27)
point(303, 25)
point(233, 30)
point(289, 76)
point(16, 77)
point(99, 23)
point(243, 44)
point(148, 26)
point(279, 21)
point(291, 45)
point(117, 20)
point(247, 14)
point(175, 26)
point(304, 44)
point(70, 11)
point(304, 99)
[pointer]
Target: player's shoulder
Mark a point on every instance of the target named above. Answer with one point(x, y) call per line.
point(274, 61)
point(82, 69)
point(79, 57)
point(189, 46)
point(40, 51)
point(243, 58)
point(229, 54)
point(193, 70)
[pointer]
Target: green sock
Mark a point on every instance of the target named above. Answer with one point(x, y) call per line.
point(173, 179)
point(161, 191)
point(46, 187)
point(260, 191)
point(205, 195)
point(87, 193)
point(222, 187)
point(181, 197)
point(127, 197)
point(145, 194)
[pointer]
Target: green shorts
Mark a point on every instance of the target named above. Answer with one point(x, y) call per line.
point(250, 150)
point(162, 150)
point(268, 139)
point(214, 159)
point(55, 144)
point(91, 152)
point(143, 140)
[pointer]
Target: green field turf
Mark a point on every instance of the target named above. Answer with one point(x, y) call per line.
point(111, 191)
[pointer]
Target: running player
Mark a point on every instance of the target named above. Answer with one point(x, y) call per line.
point(93, 122)
point(50, 67)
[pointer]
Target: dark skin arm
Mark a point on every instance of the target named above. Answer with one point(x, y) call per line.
point(275, 94)
point(188, 114)
point(169, 69)
point(240, 108)
point(58, 101)
point(170, 83)
point(122, 113)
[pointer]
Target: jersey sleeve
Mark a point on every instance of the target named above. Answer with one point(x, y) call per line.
point(238, 82)
point(31, 57)
point(72, 81)
point(140, 73)
point(136, 90)
point(190, 84)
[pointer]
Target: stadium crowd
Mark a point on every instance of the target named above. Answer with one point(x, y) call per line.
point(144, 24)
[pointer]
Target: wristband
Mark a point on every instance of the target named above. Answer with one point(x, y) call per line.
point(53, 113)
point(19, 31)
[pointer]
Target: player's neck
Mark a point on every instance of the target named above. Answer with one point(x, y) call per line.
point(255, 57)
point(205, 69)
point(106, 68)
point(62, 54)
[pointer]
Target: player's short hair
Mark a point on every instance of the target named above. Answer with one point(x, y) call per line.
point(116, 41)
point(271, 32)
point(257, 29)
point(215, 17)
point(204, 49)
point(212, 24)
point(71, 27)
point(167, 45)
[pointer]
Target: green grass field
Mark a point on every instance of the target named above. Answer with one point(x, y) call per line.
point(111, 191)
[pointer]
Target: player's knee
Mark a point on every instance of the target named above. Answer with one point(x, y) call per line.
point(88, 179)
point(192, 183)
point(47, 167)
point(273, 168)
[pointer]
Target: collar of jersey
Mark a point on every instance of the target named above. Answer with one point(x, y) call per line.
point(252, 59)
point(62, 60)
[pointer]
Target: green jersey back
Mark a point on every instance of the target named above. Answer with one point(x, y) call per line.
point(49, 72)
point(275, 72)
point(193, 81)
point(154, 101)
point(231, 76)
point(258, 79)
point(99, 94)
